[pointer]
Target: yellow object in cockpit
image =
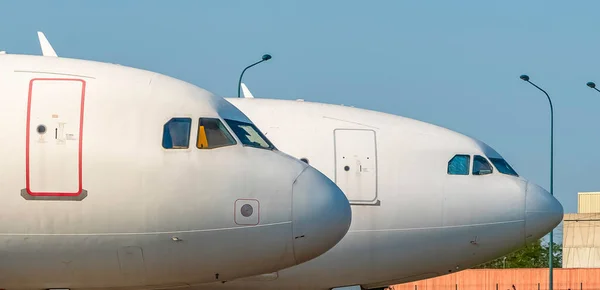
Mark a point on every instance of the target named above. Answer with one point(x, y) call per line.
point(202, 140)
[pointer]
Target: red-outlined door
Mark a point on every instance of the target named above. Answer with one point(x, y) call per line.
point(54, 134)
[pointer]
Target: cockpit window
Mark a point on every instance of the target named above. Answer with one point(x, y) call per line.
point(503, 166)
point(481, 166)
point(213, 134)
point(459, 165)
point(176, 133)
point(249, 135)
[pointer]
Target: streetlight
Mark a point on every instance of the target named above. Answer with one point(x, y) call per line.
point(592, 85)
point(264, 58)
point(550, 255)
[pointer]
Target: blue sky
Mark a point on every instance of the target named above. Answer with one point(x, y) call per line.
point(454, 64)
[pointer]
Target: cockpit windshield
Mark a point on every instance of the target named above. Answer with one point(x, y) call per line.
point(249, 135)
point(503, 166)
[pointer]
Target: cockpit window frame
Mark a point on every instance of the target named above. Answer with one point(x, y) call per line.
point(512, 171)
point(475, 157)
point(231, 123)
point(224, 128)
point(182, 119)
point(468, 169)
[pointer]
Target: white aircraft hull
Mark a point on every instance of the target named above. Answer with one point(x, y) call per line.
point(418, 221)
point(93, 198)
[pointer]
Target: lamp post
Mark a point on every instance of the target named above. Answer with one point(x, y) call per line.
point(264, 58)
point(592, 85)
point(550, 248)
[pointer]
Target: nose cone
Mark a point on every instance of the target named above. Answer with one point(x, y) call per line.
point(321, 215)
point(543, 212)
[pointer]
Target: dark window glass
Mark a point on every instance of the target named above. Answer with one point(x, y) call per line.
point(249, 135)
point(176, 133)
point(503, 166)
point(213, 134)
point(459, 165)
point(481, 166)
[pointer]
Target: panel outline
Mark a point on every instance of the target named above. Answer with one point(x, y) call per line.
point(235, 212)
point(122, 261)
point(375, 201)
point(81, 193)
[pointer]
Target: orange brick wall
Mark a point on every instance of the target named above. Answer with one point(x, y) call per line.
point(504, 279)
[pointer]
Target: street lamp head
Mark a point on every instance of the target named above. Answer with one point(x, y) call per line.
point(591, 85)
point(266, 57)
point(524, 77)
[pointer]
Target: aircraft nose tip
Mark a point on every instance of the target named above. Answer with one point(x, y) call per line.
point(321, 215)
point(543, 212)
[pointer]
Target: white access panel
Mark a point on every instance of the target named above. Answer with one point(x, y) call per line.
point(356, 164)
point(247, 212)
point(54, 124)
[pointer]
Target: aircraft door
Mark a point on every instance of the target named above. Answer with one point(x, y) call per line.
point(356, 164)
point(53, 147)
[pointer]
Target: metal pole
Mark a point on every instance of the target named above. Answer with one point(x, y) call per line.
point(242, 74)
point(550, 248)
point(264, 58)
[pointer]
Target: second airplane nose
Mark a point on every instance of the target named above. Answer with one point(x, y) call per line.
point(321, 215)
point(543, 212)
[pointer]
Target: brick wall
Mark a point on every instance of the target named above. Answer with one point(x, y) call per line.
point(504, 279)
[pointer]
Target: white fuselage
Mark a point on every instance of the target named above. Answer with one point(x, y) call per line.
point(93, 198)
point(410, 219)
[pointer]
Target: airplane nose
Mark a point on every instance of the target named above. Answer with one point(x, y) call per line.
point(543, 212)
point(321, 215)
